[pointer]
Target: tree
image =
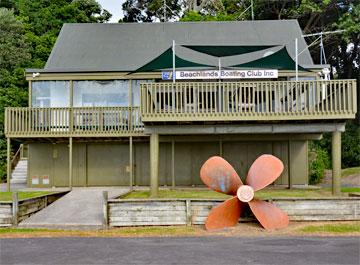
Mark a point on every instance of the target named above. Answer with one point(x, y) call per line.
point(44, 19)
point(151, 10)
point(28, 31)
point(14, 55)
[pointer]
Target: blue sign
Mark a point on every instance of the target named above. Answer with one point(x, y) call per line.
point(166, 75)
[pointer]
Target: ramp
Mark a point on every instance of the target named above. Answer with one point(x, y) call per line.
point(81, 208)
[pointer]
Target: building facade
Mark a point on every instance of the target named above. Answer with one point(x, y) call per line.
point(108, 110)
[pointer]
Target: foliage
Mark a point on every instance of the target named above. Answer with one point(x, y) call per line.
point(350, 171)
point(350, 145)
point(350, 141)
point(28, 32)
point(319, 160)
point(149, 11)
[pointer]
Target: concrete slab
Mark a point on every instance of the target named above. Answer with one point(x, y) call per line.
point(80, 208)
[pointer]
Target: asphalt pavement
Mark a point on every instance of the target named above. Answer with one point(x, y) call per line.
point(189, 250)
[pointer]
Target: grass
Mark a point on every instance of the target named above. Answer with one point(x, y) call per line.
point(332, 228)
point(178, 194)
point(350, 171)
point(263, 194)
point(125, 231)
point(7, 196)
point(350, 189)
point(24, 230)
point(293, 193)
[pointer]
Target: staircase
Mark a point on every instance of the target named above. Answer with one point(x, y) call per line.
point(19, 174)
point(19, 165)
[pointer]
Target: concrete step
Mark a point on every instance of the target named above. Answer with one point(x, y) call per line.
point(19, 174)
point(18, 181)
point(22, 175)
point(20, 170)
point(19, 177)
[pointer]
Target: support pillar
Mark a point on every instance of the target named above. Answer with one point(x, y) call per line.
point(336, 162)
point(290, 180)
point(154, 165)
point(173, 164)
point(8, 163)
point(70, 162)
point(131, 166)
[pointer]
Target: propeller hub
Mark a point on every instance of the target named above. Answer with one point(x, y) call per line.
point(245, 193)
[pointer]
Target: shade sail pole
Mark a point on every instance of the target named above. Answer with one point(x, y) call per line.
point(173, 58)
point(219, 69)
point(296, 60)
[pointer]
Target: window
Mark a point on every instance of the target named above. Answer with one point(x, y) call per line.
point(135, 85)
point(107, 93)
point(50, 94)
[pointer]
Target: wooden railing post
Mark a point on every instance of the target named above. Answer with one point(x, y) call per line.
point(15, 208)
point(105, 210)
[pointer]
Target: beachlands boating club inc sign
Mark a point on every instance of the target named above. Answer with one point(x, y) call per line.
point(222, 74)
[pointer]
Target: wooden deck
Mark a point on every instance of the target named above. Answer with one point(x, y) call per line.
point(73, 122)
point(248, 101)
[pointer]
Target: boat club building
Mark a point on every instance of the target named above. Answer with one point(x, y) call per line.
point(145, 104)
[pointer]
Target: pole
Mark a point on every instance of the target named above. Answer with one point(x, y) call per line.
point(252, 10)
point(154, 165)
point(219, 69)
point(336, 162)
point(173, 58)
point(70, 161)
point(8, 160)
point(321, 49)
point(296, 60)
point(164, 10)
point(131, 162)
point(173, 164)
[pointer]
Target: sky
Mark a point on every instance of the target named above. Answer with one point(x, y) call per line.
point(114, 7)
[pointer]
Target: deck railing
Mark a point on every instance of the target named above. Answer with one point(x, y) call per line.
point(236, 101)
point(83, 121)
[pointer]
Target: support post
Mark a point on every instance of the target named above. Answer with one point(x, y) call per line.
point(154, 165)
point(173, 164)
point(71, 104)
point(131, 169)
point(336, 162)
point(15, 208)
point(105, 210)
point(173, 62)
point(296, 60)
point(70, 161)
point(290, 180)
point(8, 161)
point(220, 147)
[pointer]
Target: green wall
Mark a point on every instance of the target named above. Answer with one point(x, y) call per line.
point(102, 164)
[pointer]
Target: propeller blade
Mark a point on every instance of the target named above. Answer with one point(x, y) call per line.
point(220, 176)
point(270, 216)
point(225, 215)
point(265, 170)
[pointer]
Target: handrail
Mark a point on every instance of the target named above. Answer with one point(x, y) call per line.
point(17, 156)
point(82, 121)
point(260, 100)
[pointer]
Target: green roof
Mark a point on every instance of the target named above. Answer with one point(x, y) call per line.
point(227, 50)
point(165, 61)
point(280, 60)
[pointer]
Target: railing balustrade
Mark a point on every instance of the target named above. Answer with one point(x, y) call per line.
point(271, 100)
point(86, 121)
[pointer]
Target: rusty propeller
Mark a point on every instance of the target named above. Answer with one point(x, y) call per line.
point(220, 176)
